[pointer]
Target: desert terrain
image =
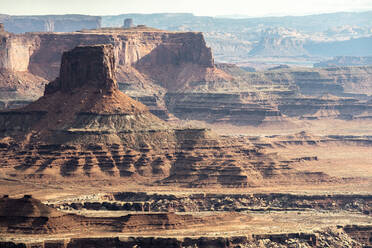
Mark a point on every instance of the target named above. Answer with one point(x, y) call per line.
point(137, 137)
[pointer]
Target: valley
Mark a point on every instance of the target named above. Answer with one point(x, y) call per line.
point(138, 137)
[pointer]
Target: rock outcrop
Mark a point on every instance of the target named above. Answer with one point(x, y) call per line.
point(94, 67)
point(84, 126)
point(279, 42)
point(30, 216)
point(18, 86)
point(149, 61)
point(85, 92)
point(26, 207)
point(174, 74)
point(128, 23)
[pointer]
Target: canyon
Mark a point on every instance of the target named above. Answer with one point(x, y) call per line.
point(175, 75)
point(124, 137)
point(84, 126)
point(299, 40)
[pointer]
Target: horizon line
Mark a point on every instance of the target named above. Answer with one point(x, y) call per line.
point(222, 16)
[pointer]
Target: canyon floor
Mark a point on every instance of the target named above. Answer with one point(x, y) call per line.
point(87, 166)
point(267, 216)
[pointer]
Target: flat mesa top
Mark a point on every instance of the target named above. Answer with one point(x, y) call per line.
point(128, 30)
point(114, 30)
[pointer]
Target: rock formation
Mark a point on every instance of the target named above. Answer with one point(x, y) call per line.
point(128, 23)
point(82, 67)
point(174, 74)
point(279, 42)
point(86, 90)
point(30, 216)
point(25, 207)
point(138, 49)
point(85, 126)
point(18, 85)
point(149, 61)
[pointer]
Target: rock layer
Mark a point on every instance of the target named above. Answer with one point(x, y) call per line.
point(84, 126)
point(334, 237)
point(30, 216)
point(174, 74)
point(148, 61)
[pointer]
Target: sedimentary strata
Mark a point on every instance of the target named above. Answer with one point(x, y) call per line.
point(174, 74)
point(84, 126)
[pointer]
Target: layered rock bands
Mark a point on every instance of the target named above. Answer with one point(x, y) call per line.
point(85, 126)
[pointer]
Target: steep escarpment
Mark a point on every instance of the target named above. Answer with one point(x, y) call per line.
point(150, 62)
point(342, 92)
point(84, 126)
point(174, 74)
point(139, 48)
point(18, 86)
point(85, 90)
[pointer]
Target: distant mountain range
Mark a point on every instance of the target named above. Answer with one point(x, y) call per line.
point(323, 35)
point(235, 39)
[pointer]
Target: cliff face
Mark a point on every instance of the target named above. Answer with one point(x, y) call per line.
point(141, 54)
point(94, 67)
point(40, 53)
point(18, 86)
point(148, 62)
point(84, 126)
point(15, 51)
point(174, 74)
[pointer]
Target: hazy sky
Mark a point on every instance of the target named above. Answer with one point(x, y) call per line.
point(198, 7)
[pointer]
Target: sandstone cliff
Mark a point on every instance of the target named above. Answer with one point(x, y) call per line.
point(149, 61)
point(85, 127)
point(174, 74)
point(139, 48)
point(18, 86)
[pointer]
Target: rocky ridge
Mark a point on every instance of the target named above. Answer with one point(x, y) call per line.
point(147, 202)
point(32, 217)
